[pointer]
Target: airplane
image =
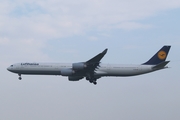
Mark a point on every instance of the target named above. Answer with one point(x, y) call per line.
point(92, 69)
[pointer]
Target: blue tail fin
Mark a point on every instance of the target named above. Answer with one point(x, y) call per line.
point(159, 57)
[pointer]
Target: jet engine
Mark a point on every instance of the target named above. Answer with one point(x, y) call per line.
point(75, 78)
point(79, 66)
point(67, 72)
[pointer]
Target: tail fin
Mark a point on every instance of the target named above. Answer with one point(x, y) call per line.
point(159, 57)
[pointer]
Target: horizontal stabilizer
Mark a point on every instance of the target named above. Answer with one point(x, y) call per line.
point(161, 65)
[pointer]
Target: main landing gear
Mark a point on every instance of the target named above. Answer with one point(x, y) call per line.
point(93, 81)
point(90, 77)
point(20, 78)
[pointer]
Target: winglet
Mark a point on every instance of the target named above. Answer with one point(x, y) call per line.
point(159, 57)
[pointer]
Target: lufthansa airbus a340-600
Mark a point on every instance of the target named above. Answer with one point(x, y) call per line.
point(92, 69)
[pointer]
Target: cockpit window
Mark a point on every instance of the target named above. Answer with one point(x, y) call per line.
point(11, 65)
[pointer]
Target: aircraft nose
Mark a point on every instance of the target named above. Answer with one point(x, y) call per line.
point(8, 69)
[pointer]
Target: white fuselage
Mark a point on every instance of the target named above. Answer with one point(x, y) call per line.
point(92, 69)
point(103, 70)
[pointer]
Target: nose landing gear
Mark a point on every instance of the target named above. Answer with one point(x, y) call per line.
point(20, 78)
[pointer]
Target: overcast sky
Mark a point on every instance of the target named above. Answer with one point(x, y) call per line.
point(75, 31)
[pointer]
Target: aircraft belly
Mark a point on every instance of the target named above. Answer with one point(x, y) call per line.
point(38, 71)
point(124, 71)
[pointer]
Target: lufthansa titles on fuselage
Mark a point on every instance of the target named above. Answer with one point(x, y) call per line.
point(29, 63)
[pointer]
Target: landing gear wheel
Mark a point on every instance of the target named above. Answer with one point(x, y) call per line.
point(95, 83)
point(20, 78)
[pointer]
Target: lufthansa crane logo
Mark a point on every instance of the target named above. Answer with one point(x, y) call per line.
point(162, 55)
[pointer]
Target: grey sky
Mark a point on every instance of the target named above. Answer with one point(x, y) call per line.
point(73, 31)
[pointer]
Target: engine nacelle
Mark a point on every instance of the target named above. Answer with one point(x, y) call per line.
point(67, 72)
point(79, 66)
point(75, 78)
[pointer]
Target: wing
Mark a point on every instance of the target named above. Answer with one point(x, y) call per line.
point(97, 58)
point(94, 62)
point(85, 69)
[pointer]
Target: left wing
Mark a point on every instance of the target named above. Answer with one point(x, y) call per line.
point(98, 57)
point(88, 68)
point(94, 62)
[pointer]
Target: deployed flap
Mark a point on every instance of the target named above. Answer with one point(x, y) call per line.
point(161, 65)
point(98, 57)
